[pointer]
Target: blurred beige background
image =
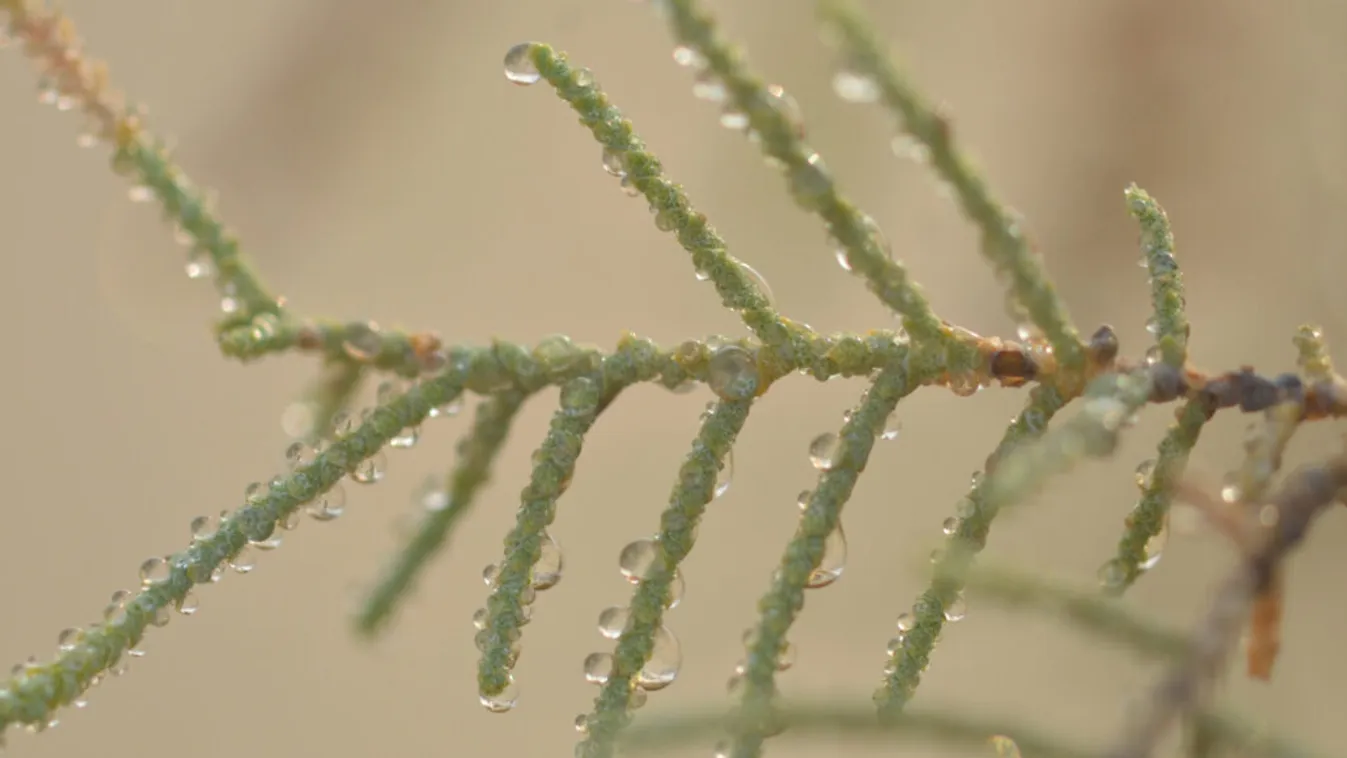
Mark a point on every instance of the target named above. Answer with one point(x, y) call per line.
point(377, 164)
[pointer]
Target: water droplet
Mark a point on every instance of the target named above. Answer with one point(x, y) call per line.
point(1230, 493)
point(908, 147)
point(328, 505)
point(203, 528)
point(637, 558)
point(449, 409)
point(732, 373)
point(243, 561)
point(582, 724)
point(139, 193)
point(1143, 474)
point(1153, 325)
point(892, 427)
point(725, 477)
point(298, 455)
point(504, 700)
point(547, 571)
point(1155, 546)
point(637, 698)
point(598, 667)
point(760, 282)
point(362, 341)
point(666, 658)
point(614, 161)
point(406, 438)
point(824, 450)
point(957, 609)
point(188, 605)
point(950, 526)
point(834, 560)
point(489, 572)
point(810, 182)
point(906, 622)
point(855, 87)
point(707, 87)
point(1112, 575)
point(371, 470)
point(519, 66)
point(200, 265)
point(1153, 355)
point(69, 639)
point(583, 77)
point(733, 118)
point(154, 571)
point(802, 500)
point(688, 57)
point(613, 621)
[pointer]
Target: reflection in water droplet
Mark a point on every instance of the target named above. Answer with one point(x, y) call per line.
point(519, 67)
point(823, 451)
point(666, 658)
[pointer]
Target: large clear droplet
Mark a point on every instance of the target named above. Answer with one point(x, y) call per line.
point(69, 639)
point(834, 560)
point(243, 561)
point(199, 264)
point(1112, 575)
point(666, 658)
point(613, 621)
point(614, 161)
point(203, 528)
point(154, 571)
point(519, 66)
point(547, 571)
point(598, 667)
point(823, 451)
point(732, 373)
point(189, 604)
point(637, 558)
point(504, 700)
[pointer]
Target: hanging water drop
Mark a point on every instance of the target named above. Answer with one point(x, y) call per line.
point(688, 57)
point(200, 265)
point(707, 87)
point(1155, 546)
point(892, 427)
point(614, 161)
point(760, 282)
point(950, 526)
point(732, 373)
point(371, 470)
point(725, 477)
point(519, 66)
point(666, 658)
point(69, 639)
point(637, 558)
point(447, 410)
point(547, 571)
point(733, 118)
point(582, 724)
point(407, 438)
point(188, 604)
point(154, 571)
point(299, 454)
point(613, 621)
point(362, 341)
point(834, 560)
point(1112, 575)
point(855, 87)
point(957, 609)
point(328, 505)
point(598, 667)
point(504, 700)
point(243, 561)
point(139, 193)
point(203, 528)
point(824, 451)
point(1145, 470)
point(802, 500)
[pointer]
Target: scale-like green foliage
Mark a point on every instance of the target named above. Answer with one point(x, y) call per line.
point(423, 378)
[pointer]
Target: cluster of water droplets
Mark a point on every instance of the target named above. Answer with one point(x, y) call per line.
point(545, 574)
point(1113, 573)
